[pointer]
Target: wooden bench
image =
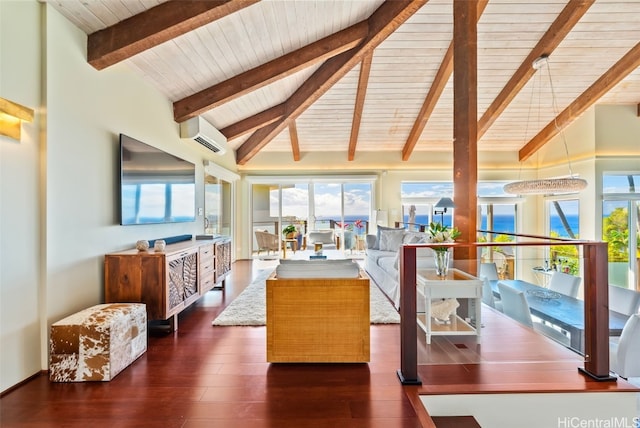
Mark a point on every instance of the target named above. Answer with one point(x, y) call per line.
point(97, 343)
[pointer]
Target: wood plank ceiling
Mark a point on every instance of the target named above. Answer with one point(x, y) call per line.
point(350, 76)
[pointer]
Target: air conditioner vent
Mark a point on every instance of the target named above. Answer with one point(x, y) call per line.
point(214, 149)
point(205, 134)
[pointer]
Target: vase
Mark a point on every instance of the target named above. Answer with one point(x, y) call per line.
point(159, 245)
point(441, 259)
point(142, 245)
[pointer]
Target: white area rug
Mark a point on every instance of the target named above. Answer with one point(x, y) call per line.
point(250, 307)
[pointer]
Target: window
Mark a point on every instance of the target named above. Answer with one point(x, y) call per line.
point(563, 221)
point(419, 199)
point(312, 204)
point(621, 226)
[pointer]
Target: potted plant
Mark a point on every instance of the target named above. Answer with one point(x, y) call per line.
point(438, 233)
point(289, 231)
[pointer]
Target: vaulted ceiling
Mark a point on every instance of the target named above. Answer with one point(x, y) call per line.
point(351, 76)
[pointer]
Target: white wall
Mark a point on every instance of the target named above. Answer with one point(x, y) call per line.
point(20, 206)
point(86, 110)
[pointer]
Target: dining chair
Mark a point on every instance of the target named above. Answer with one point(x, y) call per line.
point(489, 271)
point(624, 352)
point(623, 300)
point(515, 306)
point(487, 295)
point(565, 284)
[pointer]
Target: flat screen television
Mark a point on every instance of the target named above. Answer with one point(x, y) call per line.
point(155, 186)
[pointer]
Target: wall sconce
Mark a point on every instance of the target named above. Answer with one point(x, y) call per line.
point(443, 203)
point(11, 117)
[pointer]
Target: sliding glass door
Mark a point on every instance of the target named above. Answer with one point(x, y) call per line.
point(343, 204)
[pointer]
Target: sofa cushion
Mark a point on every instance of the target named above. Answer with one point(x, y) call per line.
point(371, 241)
point(317, 269)
point(376, 255)
point(415, 238)
point(388, 264)
point(376, 246)
point(390, 240)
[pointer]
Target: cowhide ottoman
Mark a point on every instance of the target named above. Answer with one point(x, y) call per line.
point(97, 343)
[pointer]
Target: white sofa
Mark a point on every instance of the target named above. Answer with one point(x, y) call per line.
point(382, 258)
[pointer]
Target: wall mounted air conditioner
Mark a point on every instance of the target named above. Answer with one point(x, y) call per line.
point(204, 134)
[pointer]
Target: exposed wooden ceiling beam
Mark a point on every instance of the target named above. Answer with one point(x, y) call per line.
point(435, 91)
point(558, 30)
point(439, 83)
point(155, 26)
point(363, 82)
point(254, 122)
point(627, 64)
point(384, 21)
point(269, 72)
point(293, 135)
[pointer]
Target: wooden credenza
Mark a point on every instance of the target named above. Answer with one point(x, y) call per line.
point(222, 250)
point(169, 281)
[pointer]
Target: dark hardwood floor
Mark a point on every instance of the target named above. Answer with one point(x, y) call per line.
point(205, 376)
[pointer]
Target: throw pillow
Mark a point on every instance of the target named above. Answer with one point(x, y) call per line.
point(380, 230)
point(415, 238)
point(390, 240)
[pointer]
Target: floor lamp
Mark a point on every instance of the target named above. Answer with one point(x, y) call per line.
point(443, 203)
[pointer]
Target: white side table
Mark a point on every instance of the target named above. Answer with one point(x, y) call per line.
point(458, 285)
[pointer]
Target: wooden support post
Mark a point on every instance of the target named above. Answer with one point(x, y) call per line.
point(596, 312)
point(465, 123)
point(408, 372)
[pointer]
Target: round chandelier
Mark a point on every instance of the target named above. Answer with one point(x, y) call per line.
point(547, 186)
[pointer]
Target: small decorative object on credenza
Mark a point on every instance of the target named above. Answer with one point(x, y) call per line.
point(142, 245)
point(317, 248)
point(159, 245)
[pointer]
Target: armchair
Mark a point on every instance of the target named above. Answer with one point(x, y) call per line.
point(267, 241)
point(349, 240)
point(325, 237)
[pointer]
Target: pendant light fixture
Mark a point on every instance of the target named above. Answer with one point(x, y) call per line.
point(544, 186)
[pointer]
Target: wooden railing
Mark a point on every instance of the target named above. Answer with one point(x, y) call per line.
point(596, 302)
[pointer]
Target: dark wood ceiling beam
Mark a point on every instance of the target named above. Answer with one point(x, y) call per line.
point(621, 69)
point(155, 26)
point(254, 122)
point(293, 136)
point(439, 83)
point(269, 72)
point(384, 21)
point(363, 83)
point(435, 91)
point(559, 29)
